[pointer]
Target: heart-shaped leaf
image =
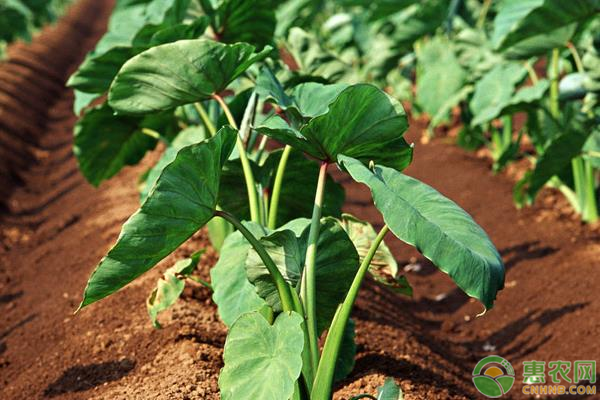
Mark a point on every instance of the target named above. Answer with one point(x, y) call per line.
point(307, 100)
point(182, 201)
point(518, 20)
point(179, 73)
point(105, 143)
point(232, 291)
point(262, 361)
point(361, 121)
point(442, 231)
point(335, 267)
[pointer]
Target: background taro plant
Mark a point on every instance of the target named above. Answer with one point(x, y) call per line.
point(19, 19)
point(291, 264)
point(521, 76)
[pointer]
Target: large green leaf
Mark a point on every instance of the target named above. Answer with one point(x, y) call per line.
point(182, 201)
point(178, 73)
point(335, 267)
point(97, 71)
point(518, 20)
point(170, 287)
point(105, 143)
point(232, 292)
point(441, 230)
point(251, 21)
point(495, 91)
point(439, 76)
point(188, 136)
point(306, 100)
point(122, 42)
point(361, 121)
point(541, 44)
point(262, 361)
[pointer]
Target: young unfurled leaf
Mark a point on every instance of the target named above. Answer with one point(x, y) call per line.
point(305, 101)
point(170, 286)
point(383, 267)
point(179, 73)
point(442, 231)
point(335, 267)
point(362, 235)
point(183, 200)
point(232, 291)
point(361, 121)
point(518, 20)
point(262, 361)
point(389, 391)
point(105, 143)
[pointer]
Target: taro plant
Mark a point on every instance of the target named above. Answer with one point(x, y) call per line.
point(281, 284)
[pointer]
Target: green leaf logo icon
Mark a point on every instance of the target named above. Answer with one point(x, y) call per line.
point(493, 376)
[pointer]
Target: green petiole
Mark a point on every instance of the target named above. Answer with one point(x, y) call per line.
point(326, 369)
point(248, 175)
point(283, 288)
point(308, 286)
point(277, 187)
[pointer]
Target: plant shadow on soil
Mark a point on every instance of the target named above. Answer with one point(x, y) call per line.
point(456, 298)
point(10, 330)
point(85, 377)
